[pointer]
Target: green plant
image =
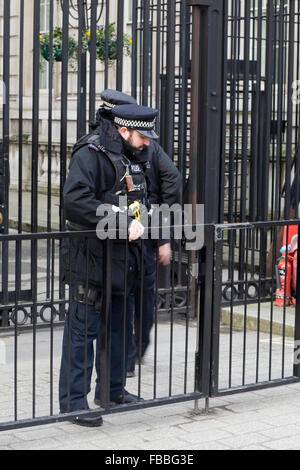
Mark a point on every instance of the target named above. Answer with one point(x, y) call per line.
point(57, 45)
point(101, 43)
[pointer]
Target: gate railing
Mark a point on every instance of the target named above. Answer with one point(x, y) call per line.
point(239, 330)
point(256, 307)
point(31, 355)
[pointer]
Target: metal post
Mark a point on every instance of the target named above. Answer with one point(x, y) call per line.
point(206, 135)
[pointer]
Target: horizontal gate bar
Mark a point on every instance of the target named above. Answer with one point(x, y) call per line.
point(99, 411)
point(253, 387)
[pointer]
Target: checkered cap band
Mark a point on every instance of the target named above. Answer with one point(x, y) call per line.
point(108, 105)
point(135, 124)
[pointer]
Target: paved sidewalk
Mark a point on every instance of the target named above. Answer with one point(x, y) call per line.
point(268, 419)
point(265, 419)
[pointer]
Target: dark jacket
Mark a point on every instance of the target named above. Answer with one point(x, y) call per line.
point(91, 177)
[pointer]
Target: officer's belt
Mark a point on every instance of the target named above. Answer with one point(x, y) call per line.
point(89, 296)
point(76, 227)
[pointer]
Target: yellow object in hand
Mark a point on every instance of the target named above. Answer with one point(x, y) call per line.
point(135, 208)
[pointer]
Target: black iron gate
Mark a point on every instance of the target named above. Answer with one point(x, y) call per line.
point(225, 77)
point(76, 52)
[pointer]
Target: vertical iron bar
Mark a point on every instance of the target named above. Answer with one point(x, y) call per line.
point(92, 91)
point(105, 333)
point(245, 310)
point(170, 92)
point(172, 320)
point(296, 368)
point(155, 328)
point(21, 84)
point(34, 183)
point(6, 123)
point(187, 322)
point(146, 50)
point(134, 50)
point(291, 42)
point(17, 300)
point(224, 115)
point(52, 323)
point(63, 131)
point(268, 107)
point(120, 45)
point(216, 319)
point(279, 111)
point(141, 318)
point(158, 54)
point(81, 77)
point(50, 92)
point(125, 313)
point(86, 320)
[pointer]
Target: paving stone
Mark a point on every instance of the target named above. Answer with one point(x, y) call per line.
point(290, 443)
point(115, 429)
point(76, 446)
point(256, 447)
point(241, 441)
point(38, 434)
point(281, 420)
point(282, 432)
point(165, 444)
point(45, 444)
point(208, 446)
point(247, 427)
point(6, 439)
point(205, 436)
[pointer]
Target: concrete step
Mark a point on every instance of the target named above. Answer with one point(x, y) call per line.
point(268, 317)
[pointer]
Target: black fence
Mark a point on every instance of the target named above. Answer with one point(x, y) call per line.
point(74, 53)
point(256, 316)
point(260, 176)
point(232, 336)
point(31, 351)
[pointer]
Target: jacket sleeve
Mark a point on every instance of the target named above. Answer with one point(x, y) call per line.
point(82, 189)
point(169, 178)
point(170, 181)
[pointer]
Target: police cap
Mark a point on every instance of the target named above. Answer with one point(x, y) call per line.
point(139, 118)
point(112, 98)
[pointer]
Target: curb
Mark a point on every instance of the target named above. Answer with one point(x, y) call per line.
point(264, 325)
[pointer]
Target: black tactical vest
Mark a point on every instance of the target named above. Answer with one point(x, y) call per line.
point(131, 179)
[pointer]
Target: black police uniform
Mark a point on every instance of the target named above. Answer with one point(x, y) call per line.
point(165, 189)
point(166, 185)
point(91, 182)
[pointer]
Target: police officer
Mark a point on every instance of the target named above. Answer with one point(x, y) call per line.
point(165, 189)
point(98, 175)
point(165, 183)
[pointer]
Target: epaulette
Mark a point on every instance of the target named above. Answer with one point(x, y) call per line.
point(94, 147)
